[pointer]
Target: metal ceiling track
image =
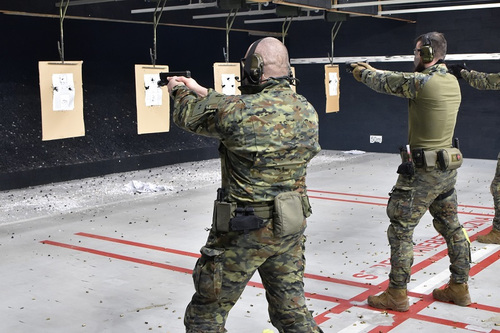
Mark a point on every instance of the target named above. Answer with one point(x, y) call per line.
point(338, 6)
point(249, 31)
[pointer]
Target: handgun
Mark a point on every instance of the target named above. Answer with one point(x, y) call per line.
point(348, 67)
point(165, 75)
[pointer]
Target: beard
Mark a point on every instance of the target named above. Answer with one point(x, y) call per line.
point(419, 67)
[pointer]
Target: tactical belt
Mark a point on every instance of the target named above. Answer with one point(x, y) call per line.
point(264, 211)
point(287, 213)
point(445, 159)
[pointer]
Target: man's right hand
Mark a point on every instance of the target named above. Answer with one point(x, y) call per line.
point(358, 69)
point(456, 69)
point(188, 82)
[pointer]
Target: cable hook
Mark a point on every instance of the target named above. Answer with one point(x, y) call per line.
point(229, 24)
point(333, 35)
point(284, 30)
point(62, 15)
point(156, 20)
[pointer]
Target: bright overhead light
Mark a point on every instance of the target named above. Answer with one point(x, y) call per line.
point(439, 9)
point(381, 3)
point(396, 58)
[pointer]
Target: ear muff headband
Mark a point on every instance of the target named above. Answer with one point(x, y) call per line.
point(426, 51)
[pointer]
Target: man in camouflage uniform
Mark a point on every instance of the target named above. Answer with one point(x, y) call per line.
point(267, 137)
point(434, 98)
point(485, 81)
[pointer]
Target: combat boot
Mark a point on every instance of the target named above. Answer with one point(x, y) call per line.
point(457, 293)
point(493, 237)
point(391, 299)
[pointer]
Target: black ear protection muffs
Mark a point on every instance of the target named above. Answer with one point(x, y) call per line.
point(255, 68)
point(426, 51)
point(252, 66)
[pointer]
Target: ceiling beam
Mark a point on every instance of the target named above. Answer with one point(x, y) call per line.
point(285, 2)
point(84, 18)
point(282, 19)
point(181, 7)
point(247, 13)
point(85, 2)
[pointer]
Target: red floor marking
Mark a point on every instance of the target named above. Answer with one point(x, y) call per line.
point(348, 194)
point(195, 255)
point(385, 204)
point(334, 280)
point(478, 267)
point(118, 256)
point(343, 304)
point(377, 197)
point(400, 317)
point(147, 246)
point(345, 200)
point(321, 318)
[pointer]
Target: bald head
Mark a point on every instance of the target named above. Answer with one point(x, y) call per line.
point(275, 57)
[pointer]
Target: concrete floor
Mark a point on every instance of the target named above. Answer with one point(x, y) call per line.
point(98, 255)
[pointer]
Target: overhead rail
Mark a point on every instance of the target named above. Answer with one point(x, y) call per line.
point(439, 9)
point(100, 19)
point(379, 3)
point(199, 5)
point(395, 58)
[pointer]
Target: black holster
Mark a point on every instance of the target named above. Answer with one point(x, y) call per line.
point(246, 220)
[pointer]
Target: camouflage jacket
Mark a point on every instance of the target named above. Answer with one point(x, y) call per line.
point(434, 99)
point(482, 81)
point(266, 139)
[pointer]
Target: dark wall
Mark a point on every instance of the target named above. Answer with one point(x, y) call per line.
point(110, 50)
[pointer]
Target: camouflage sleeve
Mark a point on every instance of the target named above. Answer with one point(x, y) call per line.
point(195, 114)
point(399, 84)
point(482, 81)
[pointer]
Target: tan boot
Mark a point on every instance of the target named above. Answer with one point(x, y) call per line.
point(493, 237)
point(391, 299)
point(457, 293)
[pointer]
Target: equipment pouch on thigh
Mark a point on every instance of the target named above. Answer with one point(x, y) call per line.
point(450, 158)
point(400, 204)
point(289, 215)
point(223, 212)
point(208, 273)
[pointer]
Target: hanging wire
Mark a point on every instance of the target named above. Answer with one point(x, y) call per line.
point(284, 28)
point(333, 34)
point(62, 15)
point(229, 24)
point(156, 19)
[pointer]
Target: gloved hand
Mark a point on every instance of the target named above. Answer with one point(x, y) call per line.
point(358, 69)
point(456, 69)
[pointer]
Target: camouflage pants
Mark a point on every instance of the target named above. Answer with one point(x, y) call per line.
point(227, 263)
point(409, 200)
point(495, 191)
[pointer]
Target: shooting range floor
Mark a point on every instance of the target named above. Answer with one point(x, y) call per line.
point(98, 255)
